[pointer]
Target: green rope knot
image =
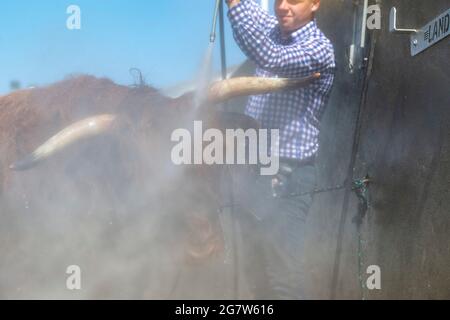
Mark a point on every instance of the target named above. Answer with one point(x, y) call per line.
point(360, 187)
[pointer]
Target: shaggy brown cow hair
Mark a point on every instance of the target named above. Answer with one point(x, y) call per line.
point(29, 117)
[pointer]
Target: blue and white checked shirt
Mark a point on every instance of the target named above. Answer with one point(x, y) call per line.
point(296, 113)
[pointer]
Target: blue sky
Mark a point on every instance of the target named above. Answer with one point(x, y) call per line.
point(166, 39)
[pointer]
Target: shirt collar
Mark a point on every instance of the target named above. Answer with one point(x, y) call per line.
point(298, 34)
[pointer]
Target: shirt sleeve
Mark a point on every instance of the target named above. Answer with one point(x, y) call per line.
point(259, 15)
point(297, 60)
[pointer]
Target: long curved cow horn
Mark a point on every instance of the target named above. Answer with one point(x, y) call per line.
point(245, 86)
point(79, 130)
point(218, 92)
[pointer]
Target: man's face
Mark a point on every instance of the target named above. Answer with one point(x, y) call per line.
point(294, 14)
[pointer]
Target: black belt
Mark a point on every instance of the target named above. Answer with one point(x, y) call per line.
point(295, 163)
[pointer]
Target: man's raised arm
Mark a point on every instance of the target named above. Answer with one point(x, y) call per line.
point(252, 10)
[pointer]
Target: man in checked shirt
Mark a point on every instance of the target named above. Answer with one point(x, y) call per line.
point(273, 224)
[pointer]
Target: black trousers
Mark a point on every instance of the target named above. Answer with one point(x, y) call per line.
point(273, 232)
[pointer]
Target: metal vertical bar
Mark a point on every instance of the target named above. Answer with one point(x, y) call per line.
point(364, 22)
point(223, 56)
point(228, 221)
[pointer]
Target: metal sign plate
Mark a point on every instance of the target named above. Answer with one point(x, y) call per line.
point(431, 33)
